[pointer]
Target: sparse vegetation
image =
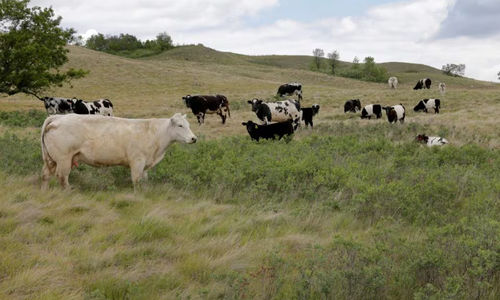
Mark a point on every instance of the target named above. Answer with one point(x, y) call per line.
point(352, 209)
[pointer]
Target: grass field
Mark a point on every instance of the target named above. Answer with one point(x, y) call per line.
point(353, 209)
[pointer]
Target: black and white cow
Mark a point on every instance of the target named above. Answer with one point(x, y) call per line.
point(55, 106)
point(280, 111)
point(207, 104)
point(352, 105)
point(308, 113)
point(371, 110)
point(426, 104)
point(270, 131)
point(423, 84)
point(395, 113)
point(431, 141)
point(99, 107)
point(289, 89)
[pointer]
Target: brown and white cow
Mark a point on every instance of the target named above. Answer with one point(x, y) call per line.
point(108, 141)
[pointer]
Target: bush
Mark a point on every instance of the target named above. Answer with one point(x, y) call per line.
point(32, 118)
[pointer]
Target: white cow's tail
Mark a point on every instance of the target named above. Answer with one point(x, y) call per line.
point(47, 125)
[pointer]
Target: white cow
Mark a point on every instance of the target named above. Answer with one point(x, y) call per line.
point(442, 88)
point(108, 141)
point(393, 82)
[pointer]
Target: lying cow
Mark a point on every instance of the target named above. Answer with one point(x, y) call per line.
point(393, 82)
point(73, 105)
point(431, 141)
point(395, 113)
point(352, 105)
point(100, 141)
point(426, 104)
point(270, 131)
point(289, 89)
point(208, 104)
point(308, 113)
point(280, 111)
point(371, 110)
point(442, 88)
point(423, 84)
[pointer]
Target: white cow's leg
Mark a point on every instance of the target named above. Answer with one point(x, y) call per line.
point(47, 172)
point(137, 171)
point(63, 169)
point(145, 175)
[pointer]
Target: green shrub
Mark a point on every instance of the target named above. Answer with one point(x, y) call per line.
point(31, 118)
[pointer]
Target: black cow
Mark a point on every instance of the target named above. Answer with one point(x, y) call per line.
point(423, 84)
point(426, 104)
point(270, 131)
point(308, 113)
point(207, 104)
point(352, 105)
point(371, 110)
point(289, 89)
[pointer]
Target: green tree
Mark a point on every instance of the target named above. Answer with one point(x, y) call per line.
point(32, 49)
point(453, 69)
point(164, 41)
point(317, 55)
point(355, 63)
point(334, 60)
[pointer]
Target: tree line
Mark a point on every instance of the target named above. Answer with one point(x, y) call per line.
point(126, 44)
point(368, 71)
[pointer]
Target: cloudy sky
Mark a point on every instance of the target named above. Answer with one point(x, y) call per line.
point(432, 32)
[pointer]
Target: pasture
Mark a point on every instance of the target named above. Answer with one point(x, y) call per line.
point(353, 209)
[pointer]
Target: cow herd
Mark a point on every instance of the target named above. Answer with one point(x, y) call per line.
point(68, 138)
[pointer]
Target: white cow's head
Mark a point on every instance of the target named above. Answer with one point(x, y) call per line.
point(180, 131)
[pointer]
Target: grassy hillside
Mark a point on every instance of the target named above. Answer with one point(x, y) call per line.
point(352, 209)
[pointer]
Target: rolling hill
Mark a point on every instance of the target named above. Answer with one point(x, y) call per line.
point(351, 209)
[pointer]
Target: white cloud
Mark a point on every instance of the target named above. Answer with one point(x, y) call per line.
point(399, 31)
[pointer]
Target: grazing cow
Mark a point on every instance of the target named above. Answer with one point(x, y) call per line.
point(308, 113)
point(431, 141)
point(371, 110)
point(280, 111)
point(58, 105)
point(290, 89)
point(442, 88)
point(352, 105)
point(423, 84)
point(270, 131)
point(207, 104)
point(102, 107)
point(395, 113)
point(66, 105)
point(426, 104)
point(393, 82)
point(100, 141)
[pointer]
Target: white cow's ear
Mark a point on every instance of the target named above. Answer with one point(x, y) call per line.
point(172, 121)
point(184, 116)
